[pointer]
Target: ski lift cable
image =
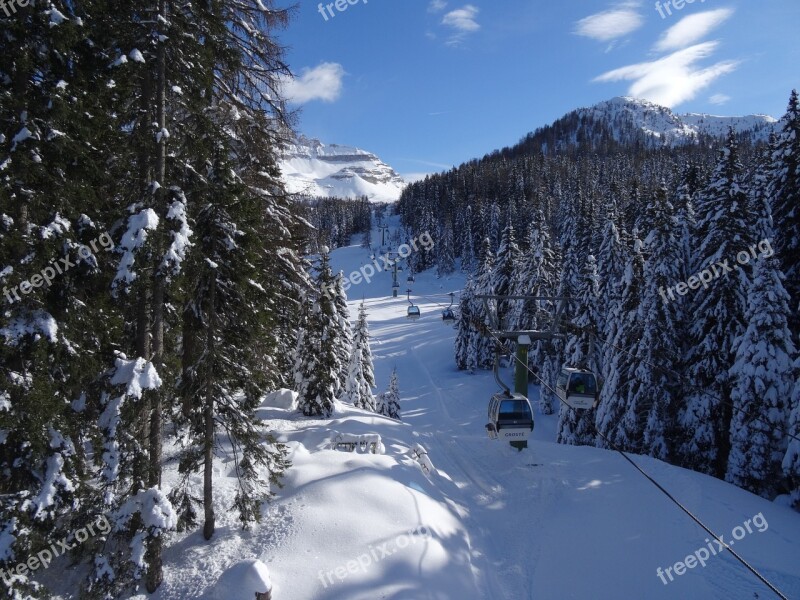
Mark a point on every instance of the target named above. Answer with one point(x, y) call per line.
point(753, 417)
point(661, 488)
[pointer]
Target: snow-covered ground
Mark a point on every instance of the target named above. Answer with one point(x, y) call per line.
point(488, 522)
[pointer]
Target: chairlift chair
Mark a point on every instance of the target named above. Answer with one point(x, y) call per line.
point(413, 309)
point(448, 316)
point(510, 417)
point(578, 388)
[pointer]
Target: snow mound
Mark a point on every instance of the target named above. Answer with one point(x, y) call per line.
point(367, 443)
point(282, 398)
point(243, 581)
point(419, 454)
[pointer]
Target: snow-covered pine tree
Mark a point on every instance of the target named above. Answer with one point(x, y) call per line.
point(791, 461)
point(495, 227)
point(317, 367)
point(649, 420)
point(344, 342)
point(535, 276)
point(468, 248)
point(380, 404)
point(577, 427)
point(621, 370)
point(391, 398)
point(503, 275)
point(763, 377)
point(784, 194)
point(231, 332)
point(485, 346)
point(466, 333)
point(719, 311)
point(685, 199)
point(611, 268)
point(57, 323)
point(361, 375)
point(445, 261)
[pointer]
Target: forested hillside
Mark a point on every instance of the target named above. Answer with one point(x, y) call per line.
point(682, 267)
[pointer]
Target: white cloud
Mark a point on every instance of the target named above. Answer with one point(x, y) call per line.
point(462, 19)
point(673, 79)
point(436, 5)
point(692, 29)
point(323, 82)
point(611, 24)
point(719, 99)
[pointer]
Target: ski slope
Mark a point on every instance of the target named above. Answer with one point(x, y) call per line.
point(488, 522)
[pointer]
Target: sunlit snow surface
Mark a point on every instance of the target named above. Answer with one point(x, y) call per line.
point(552, 522)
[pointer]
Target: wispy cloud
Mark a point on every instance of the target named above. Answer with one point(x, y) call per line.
point(323, 82)
point(436, 6)
point(692, 29)
point(611, 24)
point(428, 163)
point(719, 99)
point(463, 20)
point(673, 79)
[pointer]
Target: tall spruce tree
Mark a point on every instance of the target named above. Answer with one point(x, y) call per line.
point(361, 376)
point(391, 398)
point(784, 193)
point(791, 461)
point(654, 393)
point(318, 368)
point(763, 377)
point(719, 315)
point(577, 427)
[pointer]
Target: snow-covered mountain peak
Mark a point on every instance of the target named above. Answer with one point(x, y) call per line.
point(311, 167)
point(660, 124)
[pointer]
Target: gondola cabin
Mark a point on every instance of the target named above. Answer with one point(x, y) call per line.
point(448, 316)
point(578, 388)
point(510, 417)
point(413, 313)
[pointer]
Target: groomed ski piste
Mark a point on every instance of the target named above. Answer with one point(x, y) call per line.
point(445, 513)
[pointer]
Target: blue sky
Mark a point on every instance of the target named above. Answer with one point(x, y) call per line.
point(429, 84)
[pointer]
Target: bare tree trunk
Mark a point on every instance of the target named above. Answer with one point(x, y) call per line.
point(155, 574)
point(189, 355)
point(142, 425)
point(208, 414)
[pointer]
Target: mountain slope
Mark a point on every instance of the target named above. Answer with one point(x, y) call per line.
point(487, 522)
point(317, 169)
point(633, 122)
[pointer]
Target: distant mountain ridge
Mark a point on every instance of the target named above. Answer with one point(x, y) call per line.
point(630, 121)
point(311, 167)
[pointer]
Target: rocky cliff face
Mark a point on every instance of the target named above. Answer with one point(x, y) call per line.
point(317, 169)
